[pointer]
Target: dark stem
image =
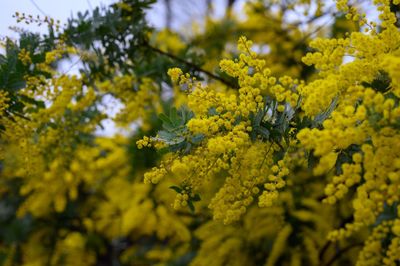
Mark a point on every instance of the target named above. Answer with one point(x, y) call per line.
point(191, 65)
point(324, 249)
point(341, 252)
point(168, 17)
point(329, 243)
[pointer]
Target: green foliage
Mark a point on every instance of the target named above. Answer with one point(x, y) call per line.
point(175, 132)
point(13, 70)
point(381, 83)
point(270, 124)
point(114, 34)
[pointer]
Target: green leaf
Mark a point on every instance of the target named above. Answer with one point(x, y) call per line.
point(170, 137)
point(166, 135)
point(389, 213)
point(263, 132)
point(3, 59)
point(258, 118)
point(3, 257)
point(212, 111)
point(191, 206)
point(174, 117)
point(312, 160)
point(324, 115)
point(176, 188)
point(381, 82)
point(196, 139)
point(16, 85)
point(184, 116)
point(166, 122)
point(196, 197)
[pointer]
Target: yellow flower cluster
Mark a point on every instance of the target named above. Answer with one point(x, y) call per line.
point(286, 164)
point(57, 54)
point(168, 41)
point(276, 182)
point(138, 102)
point(54, 156)
point(373, 253)
point(25, 57)
point(155, 175)
point(359, 138)
point(353, 114)
point(3, 101)
point(144, 142)
point(247, 165)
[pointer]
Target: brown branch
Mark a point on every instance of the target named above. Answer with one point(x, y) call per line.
point(168, 17)
point(191, 65)
point(341, 252)
point(324, 249)
point(329, 242)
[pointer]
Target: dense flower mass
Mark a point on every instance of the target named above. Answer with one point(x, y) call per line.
point(255, 140)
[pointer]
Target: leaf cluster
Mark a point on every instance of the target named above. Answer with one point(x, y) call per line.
point(175, 132)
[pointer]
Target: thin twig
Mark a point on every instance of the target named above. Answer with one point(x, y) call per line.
point(341, 252)
point(324, 249)
point(38, 8)
point(191, 65)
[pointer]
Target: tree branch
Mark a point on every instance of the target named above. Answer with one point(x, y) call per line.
point(191, 65)
point(341, 252)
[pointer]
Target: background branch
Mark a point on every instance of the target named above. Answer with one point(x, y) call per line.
point(191, 65)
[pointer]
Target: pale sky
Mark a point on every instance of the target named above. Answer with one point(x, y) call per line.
point(57, 9)
point(184, 11)
point(64, 9)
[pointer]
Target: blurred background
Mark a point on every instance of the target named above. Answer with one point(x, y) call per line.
point(171, 13)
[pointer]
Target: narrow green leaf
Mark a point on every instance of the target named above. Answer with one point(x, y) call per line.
point(196, 197)
point(263, 131)
point(258, 118)
point(196, 139)
point(191, 206)
point(174, 117)
point(176, 188)
point(324, 115)
point(166, 122)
